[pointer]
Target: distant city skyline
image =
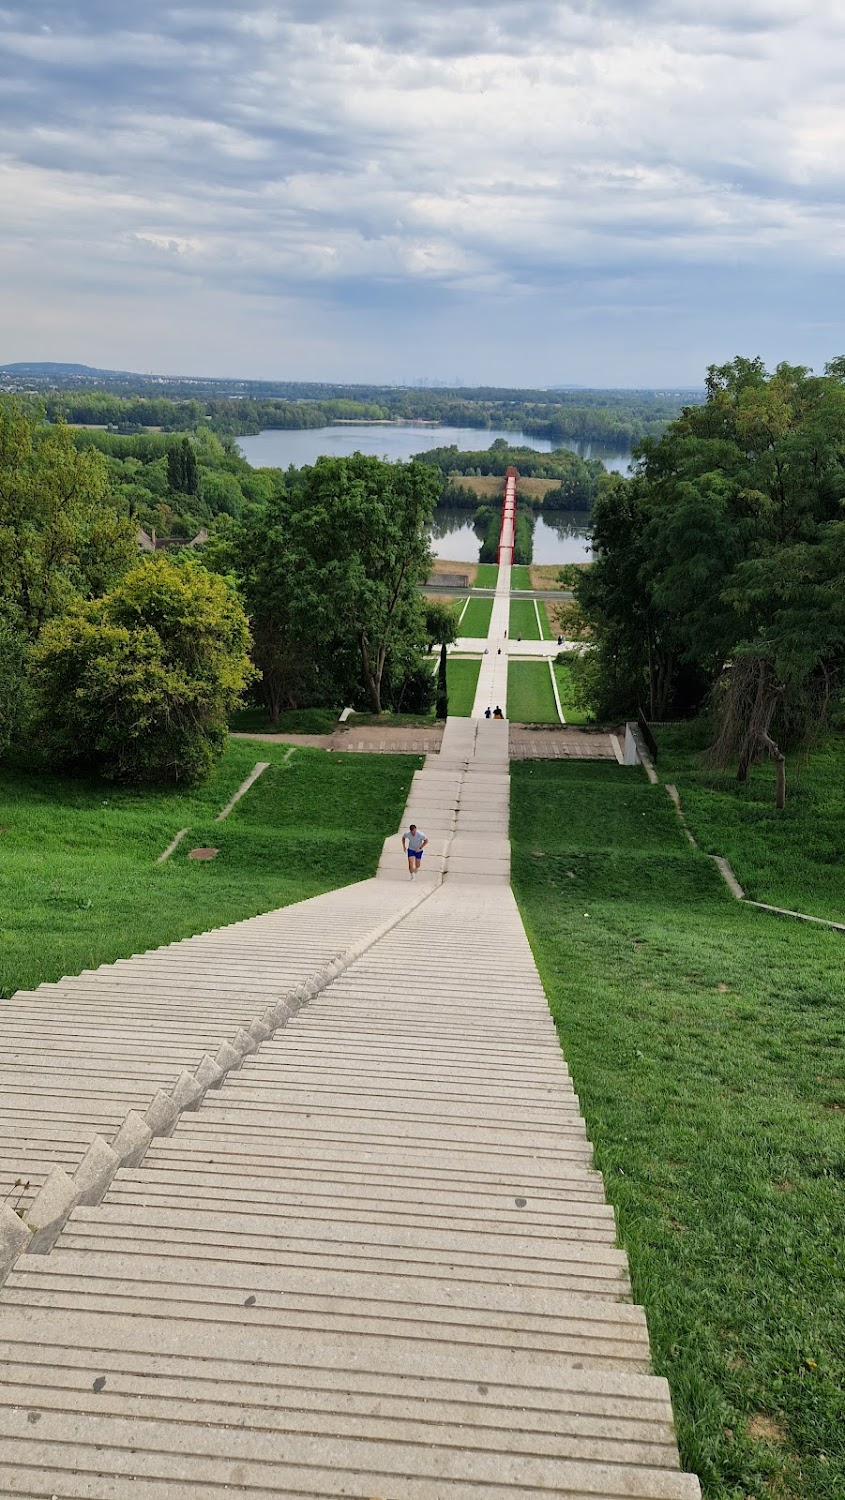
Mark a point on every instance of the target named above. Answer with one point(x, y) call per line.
point(592, 192)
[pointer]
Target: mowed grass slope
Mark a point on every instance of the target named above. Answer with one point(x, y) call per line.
point(794, 858)
point(476, 621)
point(706, 1043)
point(461, 683)
point(530, 696)
point(79, 882)
point(523, 621)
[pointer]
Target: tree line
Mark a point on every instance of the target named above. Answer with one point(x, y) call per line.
point(130, 666)
point(573, 481)
point(129, 403)
point(718, 580)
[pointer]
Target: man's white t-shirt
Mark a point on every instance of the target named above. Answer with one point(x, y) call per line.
point(414, 841)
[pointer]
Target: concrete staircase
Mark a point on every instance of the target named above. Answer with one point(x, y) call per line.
point(460, 799)
point(376, 1262)
point(333, 1227)
point(76, 1056)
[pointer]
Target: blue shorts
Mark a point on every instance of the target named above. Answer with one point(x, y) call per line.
point(415, 854)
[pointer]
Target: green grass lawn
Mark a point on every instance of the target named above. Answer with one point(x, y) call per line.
point(461, 681)
point(476, 622)
point(79, 883)
point(572, 713)
point(523, 620)
point(794, 858)
point(530, 696)
point(705, 1040)
point(520, 577)
point(487, 576)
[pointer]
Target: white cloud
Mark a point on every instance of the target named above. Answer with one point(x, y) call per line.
point(332, 152)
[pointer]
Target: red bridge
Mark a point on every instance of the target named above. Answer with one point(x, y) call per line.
point(506, 533)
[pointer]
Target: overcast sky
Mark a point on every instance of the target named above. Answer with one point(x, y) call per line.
point(609, 192)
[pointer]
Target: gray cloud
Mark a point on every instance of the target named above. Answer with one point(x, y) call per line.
point(353, 175)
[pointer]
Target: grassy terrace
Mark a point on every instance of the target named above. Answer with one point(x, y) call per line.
point(794, 858)
point(705, 1040)
point(461, 682)
point(530, 696)
point(85, 853)
point(486, 576)
point(476, 622)
point(523, 621)
point(520, 577)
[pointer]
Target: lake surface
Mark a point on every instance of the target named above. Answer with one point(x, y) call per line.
point(280, 447)
point(560, 536)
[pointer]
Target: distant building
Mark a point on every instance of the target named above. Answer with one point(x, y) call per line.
point(149, 542)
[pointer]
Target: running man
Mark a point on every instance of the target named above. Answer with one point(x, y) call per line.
point(413, 842)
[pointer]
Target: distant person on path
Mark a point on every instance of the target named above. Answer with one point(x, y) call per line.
point(497, 712)
point(413, 842)
point(488, 713)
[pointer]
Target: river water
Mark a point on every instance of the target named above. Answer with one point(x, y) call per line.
point(559, 536)
point(281, 447)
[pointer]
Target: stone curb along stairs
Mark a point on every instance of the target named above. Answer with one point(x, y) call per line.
point(36, 1231)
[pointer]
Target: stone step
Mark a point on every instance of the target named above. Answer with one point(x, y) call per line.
point(377, 1259)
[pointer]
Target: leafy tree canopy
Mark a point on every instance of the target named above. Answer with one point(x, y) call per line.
point(727, 547)
point(60, 535)
point(330, 568)
point(138, 685)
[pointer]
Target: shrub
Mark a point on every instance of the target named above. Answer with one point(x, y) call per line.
point(138, 685)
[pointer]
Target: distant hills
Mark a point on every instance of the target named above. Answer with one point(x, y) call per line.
point(61, 373)
point(46, 368)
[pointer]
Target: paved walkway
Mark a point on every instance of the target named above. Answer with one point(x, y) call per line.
point(492, 689)
point(355, 1244)
point(536, 650)
point(376, 1260)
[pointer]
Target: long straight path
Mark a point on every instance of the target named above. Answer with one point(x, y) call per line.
point(492, 687)
point(361, 1249)
point(376, 1262)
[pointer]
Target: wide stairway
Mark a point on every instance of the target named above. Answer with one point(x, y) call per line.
point(367, 1255)
point(307, 1206)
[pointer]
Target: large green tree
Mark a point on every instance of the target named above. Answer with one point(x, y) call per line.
point(441, 622)
point(359, 528)
point(61, 536)
point(329, 567)
point(138, 685)
point(723, 548)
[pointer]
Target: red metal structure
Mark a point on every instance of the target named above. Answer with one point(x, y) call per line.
point(506, 532)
